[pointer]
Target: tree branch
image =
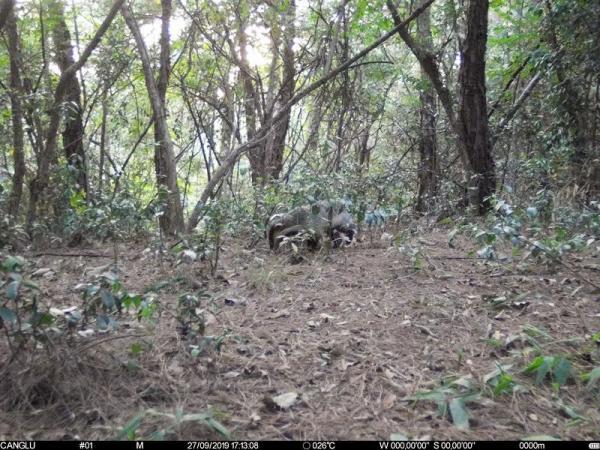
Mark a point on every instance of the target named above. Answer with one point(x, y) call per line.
point(515, 108)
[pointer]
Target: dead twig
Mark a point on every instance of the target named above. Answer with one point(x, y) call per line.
point(74, 255)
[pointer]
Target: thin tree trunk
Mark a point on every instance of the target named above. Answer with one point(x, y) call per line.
point(103, 141)
point(251, 109)
point(16, 90)
point(171, 222)
point(274, 153)
point(428, 166)
point(316, 113)
point(228, 119)
point(339, 134)
point(73, 133)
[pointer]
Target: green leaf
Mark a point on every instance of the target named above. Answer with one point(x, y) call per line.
point(73, 317)
point(459, 413)
point(532, 212)
point(107, 298)
point(540, 437)
point(102, 322)
point(208, 420)
point(38, 319)
point(31, 285)
point(136, 348)
point(505, 384)
point(543, 370)
point(592, 378)
point(570, 412)
point(562, 371)
point(128, 300)
point(12, 262)
point(129, 430)
point(218, 426)
point(12, 291)
point(541, 366)
point(8, 315)
point(434, 395)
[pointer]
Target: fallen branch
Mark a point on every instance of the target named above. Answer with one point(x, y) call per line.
point(109, 338)
point(91, 255)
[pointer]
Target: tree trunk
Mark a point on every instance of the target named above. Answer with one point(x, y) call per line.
point(266, 159)
point(472, 114)
point(171, 222)
point(73, 133)
point(345, 94)
point(16, 90)
point(428, 166)
point(227, 120)
point(251, 107)
point(471, 124)
point(6, 6)
point(274, 152)
point(103, 140)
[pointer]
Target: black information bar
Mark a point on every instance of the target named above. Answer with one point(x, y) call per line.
point(299, 445)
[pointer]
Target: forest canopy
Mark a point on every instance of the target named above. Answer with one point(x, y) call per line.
point(129, 111)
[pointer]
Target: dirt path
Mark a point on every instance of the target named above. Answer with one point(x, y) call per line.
point(357, 334)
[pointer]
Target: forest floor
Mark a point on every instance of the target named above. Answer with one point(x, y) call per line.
point(353, 336)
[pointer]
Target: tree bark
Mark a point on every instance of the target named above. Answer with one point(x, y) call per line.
point(6, 6)
point(428, 166)
point(251, 107)
point(474, 131)
point(16, 90)
point(171, 222)
point(73, 133)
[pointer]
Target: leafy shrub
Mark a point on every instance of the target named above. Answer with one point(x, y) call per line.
point(26, 321)
point(20, 314)
point(107, 296)
point(120, 218)
point(528, 235)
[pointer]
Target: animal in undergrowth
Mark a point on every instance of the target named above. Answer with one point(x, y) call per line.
point(343, 229)
point(323, 221)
